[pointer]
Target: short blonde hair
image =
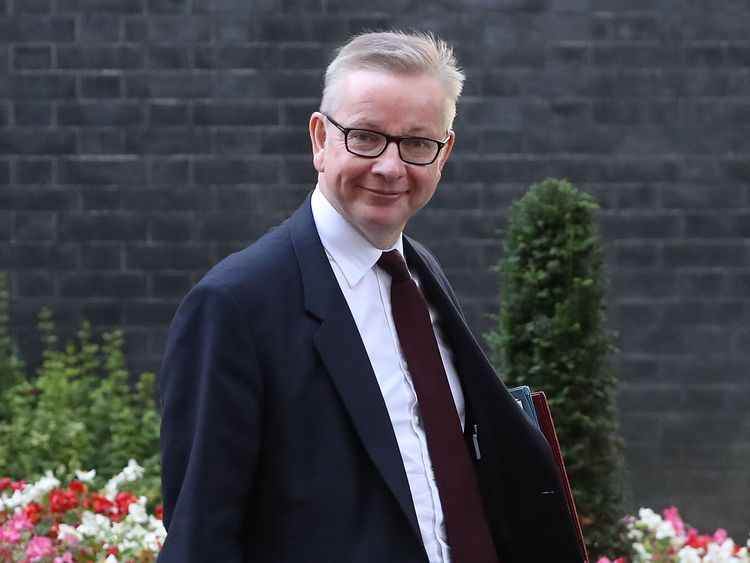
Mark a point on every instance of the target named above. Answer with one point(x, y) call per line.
point(399, 52)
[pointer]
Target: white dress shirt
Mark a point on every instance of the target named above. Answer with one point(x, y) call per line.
point(367, 289)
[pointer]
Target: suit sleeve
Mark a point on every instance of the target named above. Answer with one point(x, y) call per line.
point(211, 392)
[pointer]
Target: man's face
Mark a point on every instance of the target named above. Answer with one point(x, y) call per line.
point(379, 195)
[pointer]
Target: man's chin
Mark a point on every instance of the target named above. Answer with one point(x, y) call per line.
point(381, 232)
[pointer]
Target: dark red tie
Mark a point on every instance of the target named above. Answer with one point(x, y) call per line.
point(469, 536)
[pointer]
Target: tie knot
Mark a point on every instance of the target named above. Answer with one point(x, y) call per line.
point(393, 263)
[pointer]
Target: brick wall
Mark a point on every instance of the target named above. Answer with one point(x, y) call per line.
point(142, 140)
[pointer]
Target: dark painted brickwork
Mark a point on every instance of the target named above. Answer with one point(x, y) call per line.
point(142, 140)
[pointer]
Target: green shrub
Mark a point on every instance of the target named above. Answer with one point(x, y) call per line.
point(551, 337)
point(11, 366)
point(78, 411)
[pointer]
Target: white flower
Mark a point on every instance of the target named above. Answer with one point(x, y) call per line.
point(137, 511)
point(649, 518)
point(154, 539)
point(664, 529)
point(688, 555)
point(158, 528)
point(132, 472)
point(721, 553)
point(110, 559)
point(96, 525)
point(85, 476)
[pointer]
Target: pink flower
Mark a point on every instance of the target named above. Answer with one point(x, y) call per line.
point(9, 535)
point(720, 536)
point(66, 558)
point(20, 522)
point(17, 524)
point(672, 514)
point(607, 560)
point(39, 547)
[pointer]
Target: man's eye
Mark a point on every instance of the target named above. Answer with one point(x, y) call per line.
point(416, 144)
point(362, 137)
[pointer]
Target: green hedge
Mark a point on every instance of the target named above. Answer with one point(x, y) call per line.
point(551, 336)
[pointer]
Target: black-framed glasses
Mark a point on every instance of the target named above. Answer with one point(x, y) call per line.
point(371, 144)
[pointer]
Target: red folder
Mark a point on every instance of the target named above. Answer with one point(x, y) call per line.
point(547, 426)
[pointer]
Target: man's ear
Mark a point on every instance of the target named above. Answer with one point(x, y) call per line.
point(318, 140)
point(445, 153)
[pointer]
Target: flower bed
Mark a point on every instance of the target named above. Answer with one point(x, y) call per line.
point(49, 523)
point(666, 538)
point(45, 522)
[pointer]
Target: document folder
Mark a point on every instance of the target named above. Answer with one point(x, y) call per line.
point(535, 405)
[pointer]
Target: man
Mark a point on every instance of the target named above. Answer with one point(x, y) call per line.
point(300, 423)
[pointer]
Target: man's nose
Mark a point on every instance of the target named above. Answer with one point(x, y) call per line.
point(389, 163)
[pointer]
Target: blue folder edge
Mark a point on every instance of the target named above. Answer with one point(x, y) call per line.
point(522, 395)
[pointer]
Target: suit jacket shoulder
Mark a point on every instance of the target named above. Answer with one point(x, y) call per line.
point(414, 247)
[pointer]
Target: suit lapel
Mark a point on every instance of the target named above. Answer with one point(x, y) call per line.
point(346, 360)
point(468, 355)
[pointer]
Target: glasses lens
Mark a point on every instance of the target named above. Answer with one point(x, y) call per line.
point(418, 150)
point(365, 143)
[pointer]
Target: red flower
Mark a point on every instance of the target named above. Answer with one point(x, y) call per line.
point(695, 540)
point(4, 483)
point(100, 504)
point(17, 485)
point(33, 511)
point(62, 501)
point(159, 512)
point(77, 487)
point(123, 501)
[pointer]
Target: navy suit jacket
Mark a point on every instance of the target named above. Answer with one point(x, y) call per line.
point(277, 445)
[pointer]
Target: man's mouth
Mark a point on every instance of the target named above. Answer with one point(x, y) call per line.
point(391, 194)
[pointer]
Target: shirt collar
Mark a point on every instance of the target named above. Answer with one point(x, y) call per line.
point(343, 243)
